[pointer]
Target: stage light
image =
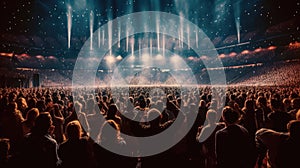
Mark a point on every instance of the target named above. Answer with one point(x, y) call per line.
point(294, 45)
point(24, 55)
point(222, 56)
point(146, 59)
point(6, 54)
point(119, 58)
point(232, 54)
point(272, 48)
point(258, 50)
point(40, 57)
point(245, 52)
point(190, 58)
point(110, 59)
point(175, 59)
point(159, 57)
point(52, 57)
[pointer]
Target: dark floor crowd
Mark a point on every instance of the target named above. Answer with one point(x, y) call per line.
point(243, 127)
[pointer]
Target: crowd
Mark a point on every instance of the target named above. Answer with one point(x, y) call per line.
point(57, 127)
point(280, 73)
point(277, 73)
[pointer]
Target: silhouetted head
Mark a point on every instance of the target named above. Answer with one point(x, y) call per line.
point(211, 116)
point(32, 114)
point(230, 116)
point(276, 104)
point(73, 130)
point(109, 133)
point(78, 106)
point(294, 129)
point(261, 101)
point(42, 123)
point(154, 116)
point(112, 110)
point(296, 103)
point(249, 104)
point(4, 149)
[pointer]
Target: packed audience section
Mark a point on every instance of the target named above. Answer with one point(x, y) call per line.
point(41, 128)
point(149, 84)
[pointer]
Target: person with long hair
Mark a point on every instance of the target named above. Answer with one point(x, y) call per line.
point(208, 145)
point(29, 121)
point(76, 150)
point(108, 141)
point(39, 149)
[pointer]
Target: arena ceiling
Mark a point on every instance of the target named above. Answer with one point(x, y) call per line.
point(38, 27)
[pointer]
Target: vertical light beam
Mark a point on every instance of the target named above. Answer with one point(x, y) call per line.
point(181, 28)
point(69, 20)
point(237, 12)
point(110, 36)
point(127, 38)
point(197, 45)
point(119, 35)
point(163, 45)
point(91, 29)
point(99, 37)
point(151, 47)
point(157, 32)
point(132, 46)
point(188, 36)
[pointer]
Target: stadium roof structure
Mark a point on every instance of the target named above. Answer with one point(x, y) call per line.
point(37, 27)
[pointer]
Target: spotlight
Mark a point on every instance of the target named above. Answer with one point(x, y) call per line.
point(159, 57)
point(232, 54)
point(119, 58)
point(245, 52)
point(131, 58)
point(110, 59)
point(222, 56)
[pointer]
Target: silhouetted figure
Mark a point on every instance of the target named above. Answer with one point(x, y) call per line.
point(295, 104)
point(5, 158)
point(208, 144)
point(109, 136)
point(11, 122)
point(28, 123)
point(112, 114)
point(234, 146)
point(281, 147)
point(39, 148)
point(76, 151)
point(277, 117)
point(262, 111)
point(288, 153)
point(248, 119)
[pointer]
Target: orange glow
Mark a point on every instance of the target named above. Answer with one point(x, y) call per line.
point(258, 50)
point(159, 57)
point(232, 54)
point(51, 57)
point(110, 59)
point(272, 48)
point(119, 58)
point(294, 45)
point(191, 58)
point(6, 54)
point(24, 55)
point(245, 52)
point(39, 57)
point(222, 56)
